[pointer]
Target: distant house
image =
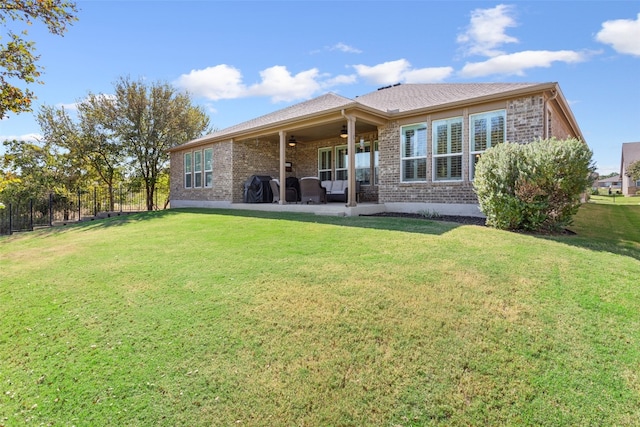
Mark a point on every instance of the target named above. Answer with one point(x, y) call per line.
point(630, 154)
point(613, 182)
point(410, 147)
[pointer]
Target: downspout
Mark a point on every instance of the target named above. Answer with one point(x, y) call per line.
point(546, 113)
point(351, 158)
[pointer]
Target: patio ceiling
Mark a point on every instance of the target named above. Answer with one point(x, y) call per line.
point(306, 132)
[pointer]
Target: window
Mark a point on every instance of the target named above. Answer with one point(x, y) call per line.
point(485, 131)
point(208, 167)
point(187, 170)
point(324, 164)
point(375, 162)
point(197, 169)
point(414, 153)
point(447, 149)
point(363, 162)
point(341, 162)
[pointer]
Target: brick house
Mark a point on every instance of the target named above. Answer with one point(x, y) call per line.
point(630, 154)
point(415, 145)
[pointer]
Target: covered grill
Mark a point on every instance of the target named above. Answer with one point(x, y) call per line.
point(257, 189)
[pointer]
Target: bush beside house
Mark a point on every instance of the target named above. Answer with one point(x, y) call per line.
point(533, 187)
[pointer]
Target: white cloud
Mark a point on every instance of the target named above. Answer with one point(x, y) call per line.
point(517, 63)
point(32, 137)
point(226, 82)
point(398, 71)
point(220, 82)
point(342, 47)
point(278, 83)
point(622, 34)
point(486, 32)
point(342, 79)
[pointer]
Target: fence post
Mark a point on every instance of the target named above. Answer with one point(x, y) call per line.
point(10, 219)
point(79, 207)
point(95, 201)
point(50, 209)
point(31, 214)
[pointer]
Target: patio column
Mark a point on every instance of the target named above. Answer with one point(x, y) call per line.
point(351, 171)
point(282, 178)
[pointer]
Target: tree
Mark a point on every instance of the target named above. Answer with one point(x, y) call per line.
point(17, 56)
point(94, 147)
point(634, 170)
point(36, 169)
point(534, 186)
point(148, 120)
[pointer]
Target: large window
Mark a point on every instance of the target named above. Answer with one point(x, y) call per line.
point(342, 162)
point(363, 162)
point(208, 167)
point(197, 169)
point(447, 149)
point(485, 131)
point(187, 171)
point(376, 166)
point(414, 153)
point(324, 164)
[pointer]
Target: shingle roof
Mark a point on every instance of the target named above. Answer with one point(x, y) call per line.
point(407, 97)
point(391, 99)
point(317, 105)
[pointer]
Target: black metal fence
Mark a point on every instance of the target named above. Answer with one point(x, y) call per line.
point(25, 215)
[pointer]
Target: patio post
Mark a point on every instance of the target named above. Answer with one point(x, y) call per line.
point(282, 178)
point(351, 171)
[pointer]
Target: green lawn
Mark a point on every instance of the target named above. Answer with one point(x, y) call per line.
point(205, 317)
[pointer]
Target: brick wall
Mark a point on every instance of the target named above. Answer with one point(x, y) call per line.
point(222, 175)
point(525, 119)
point(525, 123)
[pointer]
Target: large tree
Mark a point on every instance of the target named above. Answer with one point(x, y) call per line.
point(18, 61)
point(90, 142)
point(148, 120)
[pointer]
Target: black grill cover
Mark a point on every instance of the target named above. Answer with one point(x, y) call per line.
point(257, 189)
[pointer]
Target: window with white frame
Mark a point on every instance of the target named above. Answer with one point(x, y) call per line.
point(342, 162)
point(414, 153)
point(197, 169)
point(485, 131)
point(447, 149)
point(208, 167)
point(324, 164)
point(187, 171)
point(376, 166)
point(363, 162)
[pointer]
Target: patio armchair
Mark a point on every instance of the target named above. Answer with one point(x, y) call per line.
point(311, 190)
point(291, 193)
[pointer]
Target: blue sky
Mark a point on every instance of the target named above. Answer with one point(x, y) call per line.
point(243, 59)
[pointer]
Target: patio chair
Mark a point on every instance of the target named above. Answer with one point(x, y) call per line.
point(311, 190)
point(290, 192)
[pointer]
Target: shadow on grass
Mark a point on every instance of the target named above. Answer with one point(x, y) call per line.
point(410, 225)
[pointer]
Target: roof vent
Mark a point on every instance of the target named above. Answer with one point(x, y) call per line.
point(397, 110)
point(390, 86)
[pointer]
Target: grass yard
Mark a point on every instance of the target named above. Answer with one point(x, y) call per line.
point(206, 317)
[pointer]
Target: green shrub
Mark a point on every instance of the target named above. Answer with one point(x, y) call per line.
point(534, 187)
